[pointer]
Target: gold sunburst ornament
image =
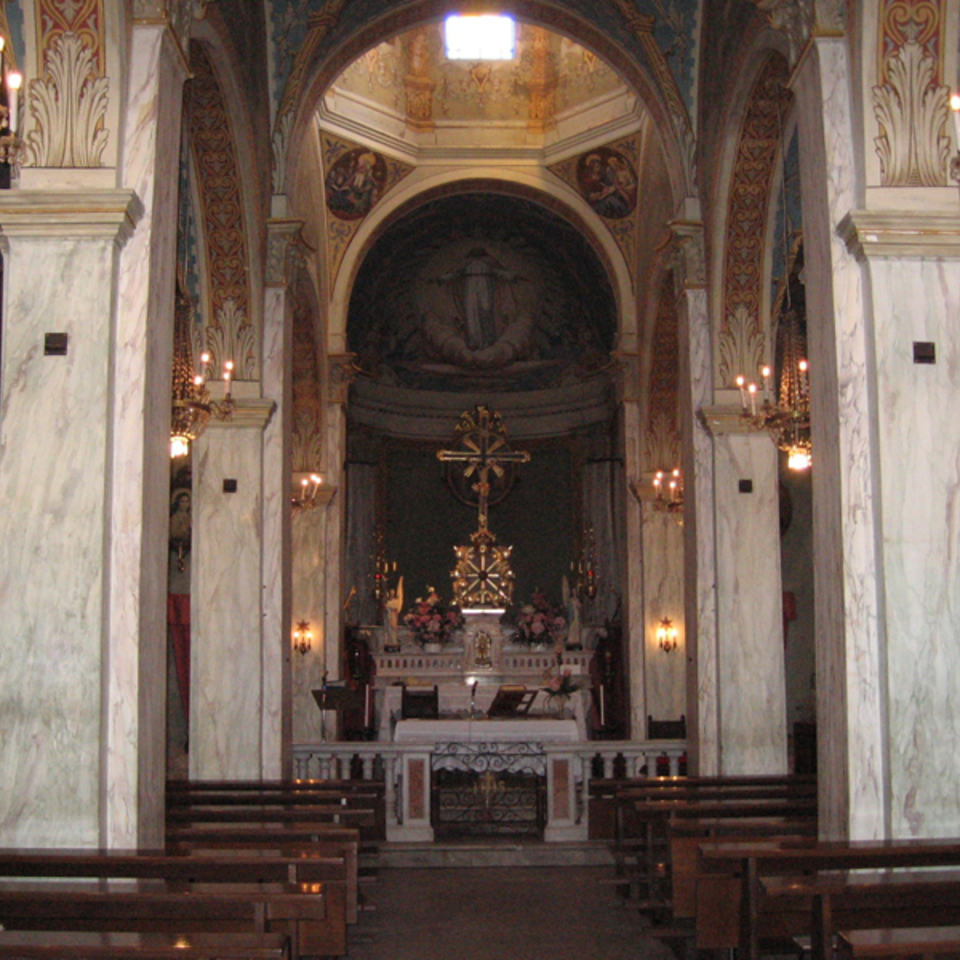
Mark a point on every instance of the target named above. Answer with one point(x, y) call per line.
point(483, 577)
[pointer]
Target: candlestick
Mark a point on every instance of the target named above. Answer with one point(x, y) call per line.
point(741, 383)
point(13, 86)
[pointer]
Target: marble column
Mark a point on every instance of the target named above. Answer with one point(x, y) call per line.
point(309, 599)
point(699, 533)
point(335, 455)
point(136, 725)
point(751, 688)
point(912, 275)
point(663, 592)
point(67, 756)
point(277, 382)
point(633, 632)
point(851, 715)
point(227, 643)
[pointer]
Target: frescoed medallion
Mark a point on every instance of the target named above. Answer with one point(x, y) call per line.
point(355, 183)
point(607, 180)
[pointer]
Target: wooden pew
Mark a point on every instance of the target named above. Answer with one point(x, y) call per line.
point(729, 888)
point(898, 943)
point(365, 809)
point(88, 945)
point(297, 910)
point(285, 841)
point(223, 866)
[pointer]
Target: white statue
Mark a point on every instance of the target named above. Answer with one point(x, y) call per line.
point(392, 607)
point(572, 606)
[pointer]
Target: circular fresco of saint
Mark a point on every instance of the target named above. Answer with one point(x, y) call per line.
point(355, 183)
point(607, 181)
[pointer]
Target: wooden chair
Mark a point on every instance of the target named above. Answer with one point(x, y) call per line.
point(667, 729)
point(419, 703)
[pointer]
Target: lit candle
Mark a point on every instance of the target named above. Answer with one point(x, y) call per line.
point(741, 383)
point(658, 483)
point(13, 86)
point(204, 361)
point(3, 43)
point(765, 373)
point(227, 377)
point(752, 390)
point(804, 386)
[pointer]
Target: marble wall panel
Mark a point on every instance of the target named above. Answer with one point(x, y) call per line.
point(226, 690)
point(137, 639)
point(751, 681)
point(53, 526)
point(309, 533)
point(276, 374)
point(666, 677)
point(633, 632)
point(919, 440)
point(850, 711)
point(699, 555)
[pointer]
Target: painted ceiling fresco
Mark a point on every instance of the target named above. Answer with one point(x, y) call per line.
point(498, 90)
point(481, 292)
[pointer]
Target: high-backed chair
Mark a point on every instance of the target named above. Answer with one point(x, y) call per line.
point(419, 703)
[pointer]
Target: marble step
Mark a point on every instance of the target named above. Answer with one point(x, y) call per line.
point(493, 853)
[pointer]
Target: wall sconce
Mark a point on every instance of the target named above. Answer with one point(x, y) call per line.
point(667, 635)
point(302, 637)
point(309, 487)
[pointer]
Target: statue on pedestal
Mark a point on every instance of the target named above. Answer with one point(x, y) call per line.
point(391, 618)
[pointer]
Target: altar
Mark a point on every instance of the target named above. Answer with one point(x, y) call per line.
point(490, 776)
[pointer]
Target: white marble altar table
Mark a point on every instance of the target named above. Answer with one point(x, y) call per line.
point(455, 698)
point(499, 730)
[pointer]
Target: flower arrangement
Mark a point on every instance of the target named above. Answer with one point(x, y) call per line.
point(430, 621)
point(562, 684)
point(538, 622)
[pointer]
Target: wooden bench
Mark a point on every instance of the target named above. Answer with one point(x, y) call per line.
point(253, 866)
point(88, 945)
point(729, 887)
point(282, 841)
point(898, 943)
point(299, 911)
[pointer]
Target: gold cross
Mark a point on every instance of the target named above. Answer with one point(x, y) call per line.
point(482, 448)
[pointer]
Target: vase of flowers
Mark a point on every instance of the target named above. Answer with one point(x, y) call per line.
point(538, 622)
point(430, 621)
point(560, 687)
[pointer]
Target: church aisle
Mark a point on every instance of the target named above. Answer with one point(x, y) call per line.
point(499, 913)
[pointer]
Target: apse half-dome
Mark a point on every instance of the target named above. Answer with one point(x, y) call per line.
point(481, 292)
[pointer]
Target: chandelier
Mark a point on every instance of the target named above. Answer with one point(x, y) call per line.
point(787, 420)
point(192, 406)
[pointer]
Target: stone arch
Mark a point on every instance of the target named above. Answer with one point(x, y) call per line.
point(753, 171)
point(230, 311)
point(555, 197)
point(327, 50)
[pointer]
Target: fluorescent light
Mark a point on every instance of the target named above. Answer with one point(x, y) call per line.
point(485, 37)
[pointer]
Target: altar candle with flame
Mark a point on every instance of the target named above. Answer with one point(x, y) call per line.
point(765, 373)
point(741, 383)
point(752, 390)
point(3, 43)
point(804, 386)
point(14, 80)
point(955, 107)
point(227, 377)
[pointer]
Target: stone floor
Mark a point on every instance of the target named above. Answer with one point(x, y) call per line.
point(499, 913)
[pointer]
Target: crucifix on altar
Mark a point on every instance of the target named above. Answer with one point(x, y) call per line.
point(483, 577)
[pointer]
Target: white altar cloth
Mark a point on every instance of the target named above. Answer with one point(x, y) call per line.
point(456, 697)
point(519, 730)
